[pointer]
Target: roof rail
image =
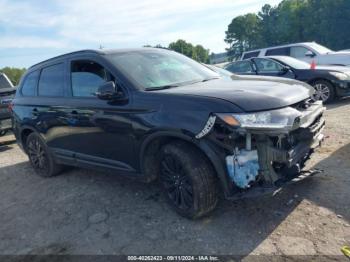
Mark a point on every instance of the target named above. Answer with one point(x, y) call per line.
point(67, 54)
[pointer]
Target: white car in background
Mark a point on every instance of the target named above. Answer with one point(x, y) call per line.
point(308, 52)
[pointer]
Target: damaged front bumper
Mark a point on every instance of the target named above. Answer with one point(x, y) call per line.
point(261, 159)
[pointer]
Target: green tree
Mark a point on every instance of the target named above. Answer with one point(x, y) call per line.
point(198, 52)
point(14, 74)
point(243, 33)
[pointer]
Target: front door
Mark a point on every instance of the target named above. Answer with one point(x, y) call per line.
point(100, 132)
point(269, 67)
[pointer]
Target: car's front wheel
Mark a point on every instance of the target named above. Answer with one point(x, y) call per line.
point(188, 180)
point(324, 91)
point(40, 157)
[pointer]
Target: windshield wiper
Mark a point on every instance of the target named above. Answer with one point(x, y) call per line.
point(160, 87)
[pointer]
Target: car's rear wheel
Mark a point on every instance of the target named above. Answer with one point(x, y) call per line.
point(3, 132)
point(40, 157)
point(324, 91)
point(188, 180)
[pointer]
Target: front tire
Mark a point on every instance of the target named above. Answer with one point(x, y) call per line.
point(40, 157)
point(188, 180)
point(324, 91)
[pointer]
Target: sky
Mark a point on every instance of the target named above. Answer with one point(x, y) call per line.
point(35, 30)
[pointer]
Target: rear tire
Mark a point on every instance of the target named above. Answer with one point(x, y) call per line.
point(188, 180)
point(40, 157)
point(324, 91)
point(3, 132)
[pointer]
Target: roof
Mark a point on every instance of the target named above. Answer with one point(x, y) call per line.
point(285, 45)
point(98, 52)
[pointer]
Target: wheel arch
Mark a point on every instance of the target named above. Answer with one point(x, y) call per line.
point(151, 146)
point(24, 133)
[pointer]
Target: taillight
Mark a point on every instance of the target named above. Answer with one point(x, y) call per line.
point(10, 107)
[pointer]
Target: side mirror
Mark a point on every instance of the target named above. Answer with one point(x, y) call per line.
point(310, 54)
point(284, 70)
point(107, 91)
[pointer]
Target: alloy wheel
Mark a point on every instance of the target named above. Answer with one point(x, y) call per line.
point(37, 155)
point(177, 185)
point(322, 92)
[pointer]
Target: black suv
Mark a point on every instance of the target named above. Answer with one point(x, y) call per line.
point(7, 92)
point(153, 113)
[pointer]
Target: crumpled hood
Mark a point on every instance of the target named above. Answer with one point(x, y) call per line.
point(250, 93)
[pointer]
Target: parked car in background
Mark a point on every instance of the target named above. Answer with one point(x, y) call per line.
point(219, 70)
point(7, 92)
point(329, 81)
point(153, 113)
point(308, 52)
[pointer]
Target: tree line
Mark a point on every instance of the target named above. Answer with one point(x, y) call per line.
point(196, 52)
point(324, 21)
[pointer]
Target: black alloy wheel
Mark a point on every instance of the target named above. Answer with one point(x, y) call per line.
point(40, 157)
point(177, 184)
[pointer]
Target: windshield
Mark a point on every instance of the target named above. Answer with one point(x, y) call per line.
point(292, 62)
point(152, 70)
point(320, 49)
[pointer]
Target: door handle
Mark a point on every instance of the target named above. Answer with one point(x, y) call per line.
point(35, 111)
point(73, 114)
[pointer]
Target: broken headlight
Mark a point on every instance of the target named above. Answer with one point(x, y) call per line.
point(266, 120)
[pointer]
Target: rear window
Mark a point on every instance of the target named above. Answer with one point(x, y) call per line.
point(251, 54)
point(51, 81)
point(30, 83)
point(278, 51)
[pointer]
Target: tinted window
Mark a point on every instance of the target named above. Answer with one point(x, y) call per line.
point(87, 76)
point(251, 54)
point(298, 51)
point(51, 81)
point(278, 51)
point(267, 65)
point(30, 83)
point(240, 67)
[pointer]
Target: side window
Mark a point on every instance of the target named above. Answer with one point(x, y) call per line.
point(51, 82)
point(267, 65)
point(298, 51)
point(30, 83)
point(240, 67)
point(251, 54)
point(278, 51)
point(87, 76)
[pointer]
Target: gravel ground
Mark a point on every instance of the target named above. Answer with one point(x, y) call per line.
point(87, 212)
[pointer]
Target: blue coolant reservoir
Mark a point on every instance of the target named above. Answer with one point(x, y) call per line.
point(243, 167)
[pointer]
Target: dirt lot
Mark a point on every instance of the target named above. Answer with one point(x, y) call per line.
point(86, 212)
